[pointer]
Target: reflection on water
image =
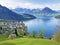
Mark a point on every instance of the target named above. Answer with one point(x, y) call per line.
point(49, 26)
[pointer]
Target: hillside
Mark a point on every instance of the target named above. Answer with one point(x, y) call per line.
point(28, 16)
point(58, 16)
point(8, 15)
point(27, 41)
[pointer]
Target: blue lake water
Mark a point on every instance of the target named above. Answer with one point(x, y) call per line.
point(49, 25)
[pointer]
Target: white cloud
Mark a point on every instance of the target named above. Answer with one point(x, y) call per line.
point(14, 4)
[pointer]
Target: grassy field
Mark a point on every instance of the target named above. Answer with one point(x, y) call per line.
point(29, 41)
point(3, 37)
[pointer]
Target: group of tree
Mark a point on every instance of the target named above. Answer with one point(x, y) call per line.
point(17, 32)
point(37, 35)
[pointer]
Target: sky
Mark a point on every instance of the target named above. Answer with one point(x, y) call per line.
point(31, 4)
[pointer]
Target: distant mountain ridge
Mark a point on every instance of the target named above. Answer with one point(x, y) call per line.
point(48, 10)
point(34, 11)
point(7, 14)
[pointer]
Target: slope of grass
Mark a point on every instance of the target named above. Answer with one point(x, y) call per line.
point(3, 37)
point(29, 41)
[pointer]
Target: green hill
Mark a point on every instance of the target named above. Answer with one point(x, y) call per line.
point(29, 41)
point(58, 16)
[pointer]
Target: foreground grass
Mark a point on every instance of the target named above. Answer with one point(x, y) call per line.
point(29, 41)
point(3, 37)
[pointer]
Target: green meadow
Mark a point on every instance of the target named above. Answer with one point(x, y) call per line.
point(29, 41)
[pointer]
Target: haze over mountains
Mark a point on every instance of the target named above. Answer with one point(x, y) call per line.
point(7, 14)
point(23, 14)
point(37, 12)
point(46, 10)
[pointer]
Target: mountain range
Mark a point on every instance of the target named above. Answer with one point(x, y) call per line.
point(20, 14)
point(8, 15)
point(45, 10)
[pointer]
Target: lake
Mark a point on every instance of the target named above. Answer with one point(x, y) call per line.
point(49, 25)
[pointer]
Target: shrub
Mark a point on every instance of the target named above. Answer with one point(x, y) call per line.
point(56, 36)
point(12, 36)
point(33, 34)
point(41, 34)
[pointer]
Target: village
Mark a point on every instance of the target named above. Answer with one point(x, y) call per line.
point(11, 26)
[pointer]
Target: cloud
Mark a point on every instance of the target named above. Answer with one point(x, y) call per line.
point(29, 4)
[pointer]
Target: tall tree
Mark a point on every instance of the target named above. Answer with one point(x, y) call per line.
point(16, 32)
